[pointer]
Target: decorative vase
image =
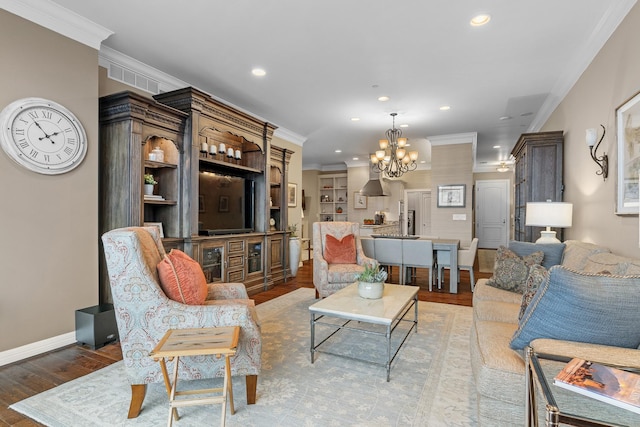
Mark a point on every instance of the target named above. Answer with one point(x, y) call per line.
point(370, 290)
point(148, 189)
point(294, 254)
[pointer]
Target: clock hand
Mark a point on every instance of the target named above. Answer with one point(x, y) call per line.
point(40, 127)
point(46, 136)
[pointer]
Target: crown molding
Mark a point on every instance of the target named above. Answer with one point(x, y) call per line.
point(610, 20)
point(60, 20)
point(338, 167)
point(287, 135)
point(454, 138)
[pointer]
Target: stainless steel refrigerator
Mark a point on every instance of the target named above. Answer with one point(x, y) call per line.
point(411, 222)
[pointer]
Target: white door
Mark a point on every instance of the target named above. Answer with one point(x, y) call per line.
point(492, 213)
point(425, 214)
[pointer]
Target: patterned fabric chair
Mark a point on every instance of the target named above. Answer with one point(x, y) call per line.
point(144, 314)
point(329, 278)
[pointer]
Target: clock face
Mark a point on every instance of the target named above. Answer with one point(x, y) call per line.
point(42, 136)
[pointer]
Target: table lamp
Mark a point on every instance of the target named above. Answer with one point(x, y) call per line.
point(549, 214)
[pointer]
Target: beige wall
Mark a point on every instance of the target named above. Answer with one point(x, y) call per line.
point(611, 79)
point(49, 227)
point(452, 164)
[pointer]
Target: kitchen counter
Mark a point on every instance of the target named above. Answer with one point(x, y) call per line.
point(368, 230)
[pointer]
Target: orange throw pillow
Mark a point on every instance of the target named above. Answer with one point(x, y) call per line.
point(340, 251)
point(182, 279)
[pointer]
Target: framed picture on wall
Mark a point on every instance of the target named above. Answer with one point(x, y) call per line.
point(292, 195)
point(628, 128)
point(359, 201)
point(451, 196)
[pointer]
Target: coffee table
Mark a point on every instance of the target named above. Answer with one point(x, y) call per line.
point(389, 311)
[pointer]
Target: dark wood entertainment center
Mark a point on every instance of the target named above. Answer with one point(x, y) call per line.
point(182, 123)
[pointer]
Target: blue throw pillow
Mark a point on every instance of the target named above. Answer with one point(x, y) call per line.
point(583, 307)
point(552, 251)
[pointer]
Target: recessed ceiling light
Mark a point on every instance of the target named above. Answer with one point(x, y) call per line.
point(338, 151)
point(404, 125)
point(445, 108)
point(258, 72)
point(383, 98)
point(480, 20)
point(355, 119)
point(526, 114)
point(355, 158)
point(505, 118)
point(496, 146)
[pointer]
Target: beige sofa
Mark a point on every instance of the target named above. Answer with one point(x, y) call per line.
point(499, 371)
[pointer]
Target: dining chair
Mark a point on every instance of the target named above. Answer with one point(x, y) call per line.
point(368, 246)
point(388, 253)
point(466, 259)
point(418, 254)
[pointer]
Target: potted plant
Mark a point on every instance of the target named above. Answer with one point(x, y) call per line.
point(371, 281)
point(149, 182)
point(295, 246)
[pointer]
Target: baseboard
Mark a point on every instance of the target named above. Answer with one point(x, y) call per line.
point(36, 348)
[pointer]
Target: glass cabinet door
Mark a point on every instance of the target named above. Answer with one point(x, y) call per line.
point(212, 263)
point(254, 257)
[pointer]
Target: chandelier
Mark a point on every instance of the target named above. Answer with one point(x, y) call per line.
point(392, 159)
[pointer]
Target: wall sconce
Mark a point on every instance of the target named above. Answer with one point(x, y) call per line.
point(602, 161)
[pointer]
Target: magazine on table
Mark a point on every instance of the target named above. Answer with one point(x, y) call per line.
point(604, 383)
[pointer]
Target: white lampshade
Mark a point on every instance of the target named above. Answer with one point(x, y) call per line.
point(591, 137)
point(549, 214)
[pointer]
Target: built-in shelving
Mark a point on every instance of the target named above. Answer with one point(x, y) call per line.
point(333, 197)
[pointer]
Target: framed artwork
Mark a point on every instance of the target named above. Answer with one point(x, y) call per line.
point(155, 224)
point(200, 203)
point(451, 196)
point(292, 195)
point(359, 201)
point(223, 204)
point(628, 129)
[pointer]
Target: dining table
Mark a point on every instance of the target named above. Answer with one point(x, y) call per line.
point(439, 244)
point(451, 246)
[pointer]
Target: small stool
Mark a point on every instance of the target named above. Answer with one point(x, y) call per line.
point(197, 342)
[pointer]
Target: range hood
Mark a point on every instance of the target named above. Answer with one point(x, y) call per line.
point(374, 186)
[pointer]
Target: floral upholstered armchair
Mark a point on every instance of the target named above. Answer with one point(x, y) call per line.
point(144, 314)
point(331, 271)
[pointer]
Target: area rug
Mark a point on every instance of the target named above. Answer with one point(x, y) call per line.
point(431, 382)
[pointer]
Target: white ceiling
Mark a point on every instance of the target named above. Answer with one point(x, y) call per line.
point(328, 61)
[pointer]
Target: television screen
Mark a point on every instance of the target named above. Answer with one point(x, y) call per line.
point(225, 204)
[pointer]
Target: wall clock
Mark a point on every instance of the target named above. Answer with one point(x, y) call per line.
point(42, 135)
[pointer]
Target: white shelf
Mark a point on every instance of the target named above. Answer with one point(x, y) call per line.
point(333, 187)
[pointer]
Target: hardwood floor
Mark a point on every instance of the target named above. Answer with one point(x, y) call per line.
point(43, 372)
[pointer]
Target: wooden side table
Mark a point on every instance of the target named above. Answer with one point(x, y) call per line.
point(197, 342)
